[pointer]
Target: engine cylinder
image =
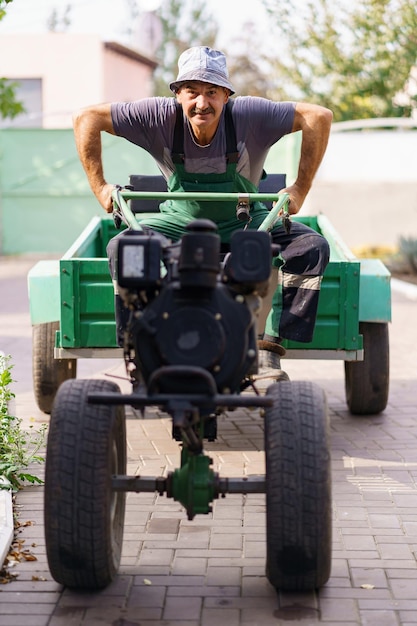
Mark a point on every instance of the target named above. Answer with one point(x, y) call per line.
point(199, 263)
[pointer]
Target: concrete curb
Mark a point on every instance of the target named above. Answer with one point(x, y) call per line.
point(6, 517)
point(6, 521)
point(406, 289)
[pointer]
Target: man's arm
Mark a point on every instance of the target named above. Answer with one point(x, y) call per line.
point(88, 125)
point(314, 122)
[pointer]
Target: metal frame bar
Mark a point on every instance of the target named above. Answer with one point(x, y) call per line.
point(151, 484)
point(117, 353)
point(120, 196)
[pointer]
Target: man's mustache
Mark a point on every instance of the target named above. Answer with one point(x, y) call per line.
point(197, 111)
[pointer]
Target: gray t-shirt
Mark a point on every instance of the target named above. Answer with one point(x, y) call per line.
point(259, 124)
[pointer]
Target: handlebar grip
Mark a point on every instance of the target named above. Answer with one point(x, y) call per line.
point(117, 219)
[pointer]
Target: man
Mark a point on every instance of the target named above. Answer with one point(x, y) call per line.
point(202, 143)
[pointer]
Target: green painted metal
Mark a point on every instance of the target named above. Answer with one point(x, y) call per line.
point(352, 291)
point(375, 292)
point(86, 290)
point(337, 324)
point(193, 484)
point(44, 289)
point(201, 195)
point(273, 215)
point(375, 278)
point(338, 248)
point(87, 304)
point(89, 243)
point(120, 200)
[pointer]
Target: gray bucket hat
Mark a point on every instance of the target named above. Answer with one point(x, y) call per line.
point(203, 64)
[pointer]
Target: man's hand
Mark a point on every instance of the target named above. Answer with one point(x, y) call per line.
point(295, 201)
point(104, 196)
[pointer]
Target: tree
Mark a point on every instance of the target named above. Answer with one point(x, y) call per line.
point(9, 106)
point(188, 23)
point(184, 24)
point(354, 58)
point(59, 21)
point(3, 7)
point(247, 69)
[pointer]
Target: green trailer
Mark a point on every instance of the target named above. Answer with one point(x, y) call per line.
point(191, 349)
point(72, 313)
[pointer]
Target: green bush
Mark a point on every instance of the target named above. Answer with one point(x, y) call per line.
point(408, 249)
point(18, 448)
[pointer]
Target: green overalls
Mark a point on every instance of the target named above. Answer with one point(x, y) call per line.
point(176, 214)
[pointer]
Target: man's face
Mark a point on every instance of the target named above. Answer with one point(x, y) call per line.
point(202, 104)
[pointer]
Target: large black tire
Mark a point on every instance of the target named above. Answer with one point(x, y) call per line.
point(298, 487)
point(84, 517)
point(367, 381)
point(48, 373)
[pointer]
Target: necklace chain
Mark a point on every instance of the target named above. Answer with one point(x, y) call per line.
point(207, 145)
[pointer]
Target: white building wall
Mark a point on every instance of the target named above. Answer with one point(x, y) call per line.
point(76, 70)
point(367, 186)
point(125, 80)
point(371, 155)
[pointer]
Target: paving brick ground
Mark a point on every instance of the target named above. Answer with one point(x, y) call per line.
point(211, 571)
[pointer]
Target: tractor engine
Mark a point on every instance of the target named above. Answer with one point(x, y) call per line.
point(191, 310)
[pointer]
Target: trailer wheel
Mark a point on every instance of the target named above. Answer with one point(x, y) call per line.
point(367, 381)
point(298, 487)
point(48, 373)
point(84, 517)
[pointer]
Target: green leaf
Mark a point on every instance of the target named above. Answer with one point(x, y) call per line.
point(354, 58)
point(18, 448)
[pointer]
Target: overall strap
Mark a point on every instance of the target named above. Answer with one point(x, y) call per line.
point(178, 143)
point(232, 155)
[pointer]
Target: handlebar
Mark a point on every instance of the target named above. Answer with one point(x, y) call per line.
point(123, 213)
